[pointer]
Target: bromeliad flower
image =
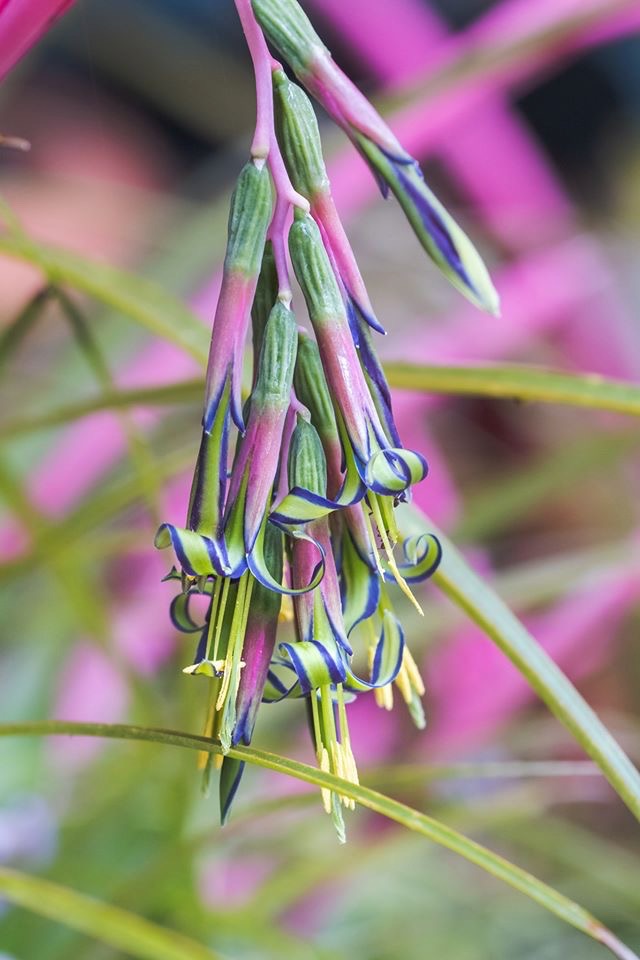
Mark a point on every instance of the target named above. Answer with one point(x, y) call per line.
point(200, 548)
point(290, 31)
point(302, 148)
point(307, 508)
point(382, 467)
point(321, 655)
point(234, 652)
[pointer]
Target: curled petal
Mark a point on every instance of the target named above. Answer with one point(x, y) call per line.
point(387, 658)
point(391, 471)
point(422, 554)
point(301, 506)
point(360, 586)
point(315, 664)
point(181, 615)
point(275, 689)
point(197, 555)
point(257, 565)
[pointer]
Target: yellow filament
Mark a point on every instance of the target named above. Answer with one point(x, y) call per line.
point(203, 755)
point(414, 674)
point(220, 607)
point(372, 499)
point(286, 610)
point(236, 638)
point(374, 545)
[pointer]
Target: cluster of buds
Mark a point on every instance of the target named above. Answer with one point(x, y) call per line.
point(291, 522)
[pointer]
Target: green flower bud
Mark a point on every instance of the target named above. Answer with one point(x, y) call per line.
point(277, 358)
point(307, 465)
point(312, 389)
point(249, 218)
point(263, 301)
point(313, 270)
point(289, 29)
point(299, 137)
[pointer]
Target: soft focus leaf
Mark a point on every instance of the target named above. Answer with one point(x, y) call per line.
point(141, 300)
point(112, 925)
point(513, 382)
point(458, 581)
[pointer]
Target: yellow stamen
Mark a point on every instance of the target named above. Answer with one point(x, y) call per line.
point(233, 663)
point(414, 673)
point(203, 755)
point(372, 500)
point(286, 610)
point(404, 684)
point(218, 607)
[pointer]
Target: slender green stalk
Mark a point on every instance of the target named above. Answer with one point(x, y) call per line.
point(136, 297)
point(112, 925)
point(519, 382)
point(473, 595)
point(426, 826)
point(504, 382)
point(187, 391)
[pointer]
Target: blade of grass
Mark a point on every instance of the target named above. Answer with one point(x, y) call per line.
point(186, 391)
point(497, 508)
point(519, 382)
point(420, 823)
point(112, 925)
point(507, 382)
point(139, 299)
point(485, 608)
point(16, 331)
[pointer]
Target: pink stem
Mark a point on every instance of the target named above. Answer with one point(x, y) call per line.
point(262, 69)
point(265, 145)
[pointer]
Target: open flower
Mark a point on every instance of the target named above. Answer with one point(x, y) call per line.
point(321, 655)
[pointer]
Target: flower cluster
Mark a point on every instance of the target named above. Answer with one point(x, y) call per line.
point(291, 520)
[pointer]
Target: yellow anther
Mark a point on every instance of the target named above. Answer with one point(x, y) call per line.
point(372, 500)
point(384, 696)
point(325, 766)
point(286, 610)
point(414, 674)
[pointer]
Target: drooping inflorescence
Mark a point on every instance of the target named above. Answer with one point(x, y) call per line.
point(291, 533)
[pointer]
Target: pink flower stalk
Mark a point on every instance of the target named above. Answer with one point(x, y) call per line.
point(22, 23)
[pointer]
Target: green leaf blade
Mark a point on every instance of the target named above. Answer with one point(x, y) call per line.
point(518, 382)
point(138, 298)
point(111, 925)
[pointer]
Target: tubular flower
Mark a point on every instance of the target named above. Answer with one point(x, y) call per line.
point(382, 467)
point(290, 31)
point(320, 657)
point(292, 504)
